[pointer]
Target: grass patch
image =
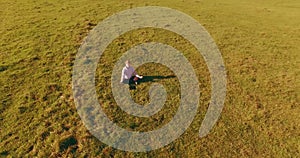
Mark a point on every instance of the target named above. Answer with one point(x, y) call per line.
point(259, 41)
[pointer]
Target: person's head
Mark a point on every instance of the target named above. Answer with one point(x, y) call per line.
point(127, 63)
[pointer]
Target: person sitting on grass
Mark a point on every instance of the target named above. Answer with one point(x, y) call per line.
point(129, 76)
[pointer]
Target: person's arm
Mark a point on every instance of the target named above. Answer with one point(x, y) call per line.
point(135, 74)
point(138, 76)
point(122, 76)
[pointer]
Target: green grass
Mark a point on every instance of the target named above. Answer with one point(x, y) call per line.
point(259, 41)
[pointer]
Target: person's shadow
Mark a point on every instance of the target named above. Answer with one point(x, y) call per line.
point(154, 78)
point(150, 79)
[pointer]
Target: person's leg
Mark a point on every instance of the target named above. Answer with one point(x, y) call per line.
point(133, 80)
point(136, 79)
point(126, 81)
point(132, 83)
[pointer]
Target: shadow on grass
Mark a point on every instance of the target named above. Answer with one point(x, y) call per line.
point(145, 79)
point(155, 78)
point(150, 79)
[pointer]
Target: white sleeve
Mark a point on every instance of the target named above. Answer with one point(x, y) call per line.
point(122, 76)
point(138, 76)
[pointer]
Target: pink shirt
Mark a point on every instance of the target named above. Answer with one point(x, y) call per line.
point(127, 72)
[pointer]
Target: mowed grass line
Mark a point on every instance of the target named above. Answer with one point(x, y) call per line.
point(259, 42)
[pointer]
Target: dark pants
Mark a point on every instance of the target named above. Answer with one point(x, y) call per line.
point(132, 80)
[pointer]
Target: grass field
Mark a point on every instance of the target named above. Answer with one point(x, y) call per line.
point(259, 42)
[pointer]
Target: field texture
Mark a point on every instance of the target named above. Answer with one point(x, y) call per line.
point(259, 42)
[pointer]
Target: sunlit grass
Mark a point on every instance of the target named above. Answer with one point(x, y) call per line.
point(259, 41)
